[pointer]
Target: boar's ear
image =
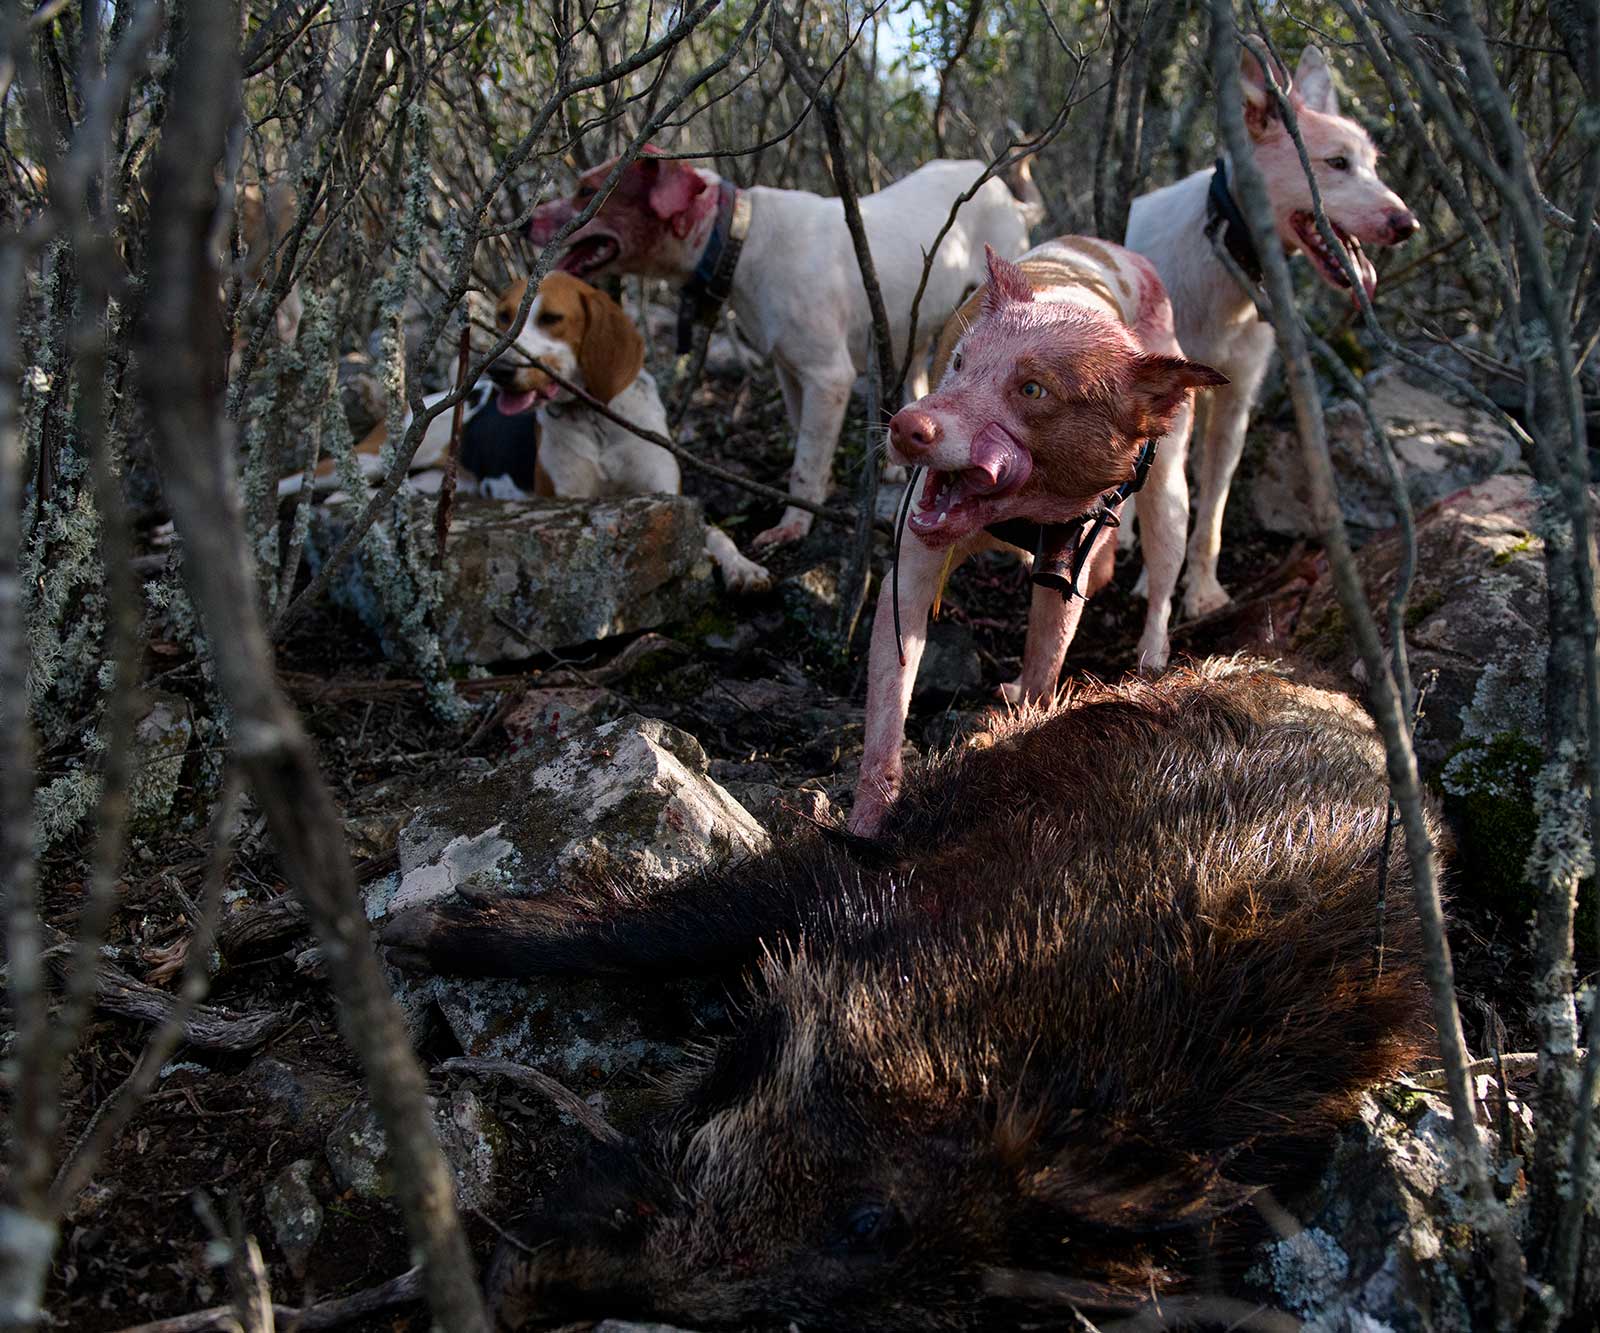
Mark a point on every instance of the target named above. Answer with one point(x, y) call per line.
point(1007, 283)
point(1157, 389)
point(1260, 108)
point(674, 188)
point(1313, 83)
point(1130, 1186)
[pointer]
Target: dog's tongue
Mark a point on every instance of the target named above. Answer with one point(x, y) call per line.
point(1366, 274)
point(999, 463)
point(514, 403)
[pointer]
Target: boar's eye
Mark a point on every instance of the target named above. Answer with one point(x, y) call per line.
point(955, 361)
point(868, 1229)
point(1032, 389)
point(1339, 163)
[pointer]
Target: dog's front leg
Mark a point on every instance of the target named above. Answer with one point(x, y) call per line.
point(824, 395)
point(1163, 520)
point(889, 679)
point(1227, 417)
point(1052, 621)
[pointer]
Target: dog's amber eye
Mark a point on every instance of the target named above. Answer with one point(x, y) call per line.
point(1339, 163)
point(1032, 389)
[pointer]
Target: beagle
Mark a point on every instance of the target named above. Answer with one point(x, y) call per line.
point(526, 436)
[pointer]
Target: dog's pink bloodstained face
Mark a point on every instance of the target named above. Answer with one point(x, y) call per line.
point(647, 225)
point(1358, 205)
point(1043, 408)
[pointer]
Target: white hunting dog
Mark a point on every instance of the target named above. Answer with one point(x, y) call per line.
point(1216, 322)
point(795, 286)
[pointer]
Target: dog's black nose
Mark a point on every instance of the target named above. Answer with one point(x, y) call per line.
point(1402, 226)
point(501, 373)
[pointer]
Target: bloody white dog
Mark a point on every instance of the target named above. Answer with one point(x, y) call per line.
point(1216, 322)
point(1056, 378)
point(785, 261)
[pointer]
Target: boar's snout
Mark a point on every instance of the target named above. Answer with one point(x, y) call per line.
point(580, 1252)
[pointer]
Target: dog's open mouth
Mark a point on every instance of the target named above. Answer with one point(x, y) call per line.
point(1323, 259)
point(953, 504)
point(590, 254)
point(513, 403)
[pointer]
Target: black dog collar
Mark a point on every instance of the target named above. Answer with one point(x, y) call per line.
point(1222, 210)
point(702, 297)
point(1060, 550)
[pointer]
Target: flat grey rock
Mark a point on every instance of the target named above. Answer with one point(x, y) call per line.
point(1441, 447)
point(527, 577)
point(630, 797)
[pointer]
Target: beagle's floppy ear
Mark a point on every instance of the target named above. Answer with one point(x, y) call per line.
point(611, 354)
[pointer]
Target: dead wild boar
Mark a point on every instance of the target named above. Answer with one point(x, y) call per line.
point(1095, 983)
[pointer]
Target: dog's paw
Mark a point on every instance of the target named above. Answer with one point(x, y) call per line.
point(794, 525)
point(1153, 655)
point(1202, 597)
point(746, 577)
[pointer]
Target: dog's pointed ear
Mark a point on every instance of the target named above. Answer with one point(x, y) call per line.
point(1158, 387)
point(611, 354)
point(674, 188)
point(1007, 283)
point(1313, 83)
point(1260, 108)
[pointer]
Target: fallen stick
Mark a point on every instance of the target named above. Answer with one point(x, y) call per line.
point(402, 1290)
point(1517, 1064)
point(522, 1075)
point(207, 1026)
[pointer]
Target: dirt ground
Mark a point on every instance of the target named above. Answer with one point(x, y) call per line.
point(227, 1123)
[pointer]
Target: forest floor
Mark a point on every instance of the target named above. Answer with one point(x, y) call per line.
point(227, 1123)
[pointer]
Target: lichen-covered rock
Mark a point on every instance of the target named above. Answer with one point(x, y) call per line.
point(295, 1213)
point(472, 1140)
point(811, 601)
point(1385, 1243)
point(632, 796)
point(553, 714)
point(296, 1097)
point(1476, 635)
point(1441, 448)
point(526, 577)
point(1476, 616)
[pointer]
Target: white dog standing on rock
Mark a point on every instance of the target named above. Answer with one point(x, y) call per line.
point(785, 260)
point(1216, 322)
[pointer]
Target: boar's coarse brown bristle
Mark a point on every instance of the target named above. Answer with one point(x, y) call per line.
point(1100, 979)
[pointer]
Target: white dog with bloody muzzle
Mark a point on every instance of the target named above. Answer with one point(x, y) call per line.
point(1061, 388)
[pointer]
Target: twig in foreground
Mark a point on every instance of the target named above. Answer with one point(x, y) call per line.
point(402, 1290)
